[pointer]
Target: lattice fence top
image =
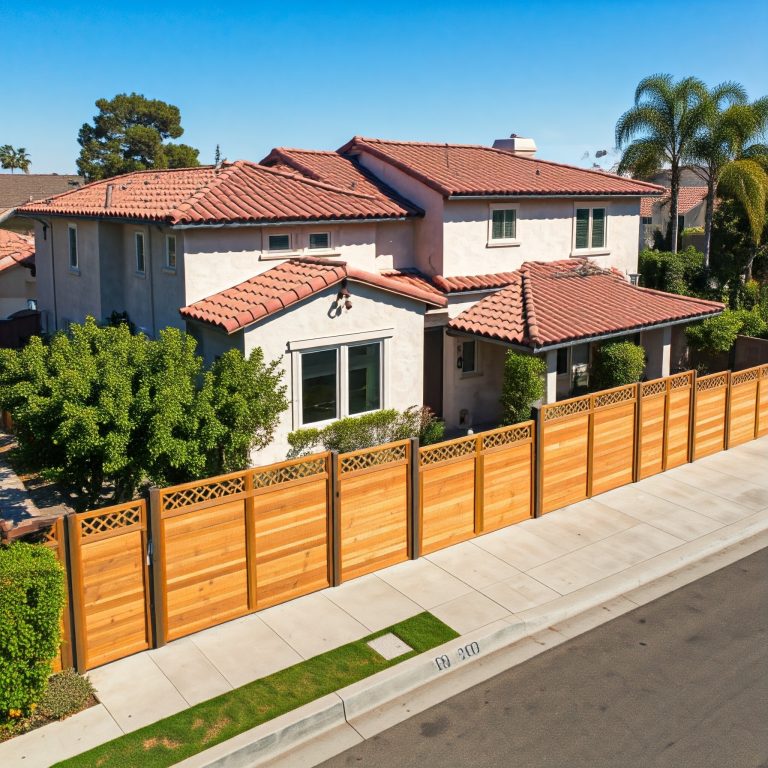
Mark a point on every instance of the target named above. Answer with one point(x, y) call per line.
point(568, 408)
point(713, 381)
point(434, 454)
point(110, 519)
point(373, 458)
point(764, 371)
point(681, 380)
point(612, 397)
point(264, 478)
point(651, 388)
point(742, 377)
point(508, 436)
point(205, 491)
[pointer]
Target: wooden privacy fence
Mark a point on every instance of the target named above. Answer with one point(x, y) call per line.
point(205, 552)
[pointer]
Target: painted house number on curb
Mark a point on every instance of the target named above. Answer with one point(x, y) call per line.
point(444, 662)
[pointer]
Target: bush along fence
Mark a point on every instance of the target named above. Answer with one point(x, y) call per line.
point(195, 555)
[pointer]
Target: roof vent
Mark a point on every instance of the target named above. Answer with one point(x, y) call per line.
point(517, 145)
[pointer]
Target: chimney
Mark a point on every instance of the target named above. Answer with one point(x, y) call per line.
point(517, 145)
point(108, 195)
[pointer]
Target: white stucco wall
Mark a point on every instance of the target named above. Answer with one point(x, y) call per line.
point(545, 232)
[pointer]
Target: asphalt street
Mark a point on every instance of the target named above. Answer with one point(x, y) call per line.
point(681, 682)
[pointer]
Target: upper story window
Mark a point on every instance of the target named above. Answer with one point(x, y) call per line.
point(279, 242)
point(502, 226)
point(590, 231)
point(74, 263)
point(140, 257)
point(170, 252)
point(319, 241)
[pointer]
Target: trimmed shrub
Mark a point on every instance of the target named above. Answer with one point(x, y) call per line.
point(357, 432)
point(752, 323)
point(717, 335)
point(681, 272)
point(523, 386)
point(32, 598)
point(67, 693)
point(616, 364)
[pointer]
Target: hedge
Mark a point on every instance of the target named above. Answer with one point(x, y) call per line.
point(32, 595)
point(523, 386)
point(616, 364)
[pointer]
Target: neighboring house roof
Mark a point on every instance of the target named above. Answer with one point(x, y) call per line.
point(19, 188)
point(468, 169)
point(562, 301)
point(687, 200)
point(343, 172)
point(16, 249)
point(646, 205)
point(286, 284)
point(239, 192)
point(456, 284)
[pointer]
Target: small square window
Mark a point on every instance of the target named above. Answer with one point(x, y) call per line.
point(279, 242)
point(468, 357)
point(140, 261)
point(170, 252)
point(73, 258)
point(503, 224)
point(319, 240)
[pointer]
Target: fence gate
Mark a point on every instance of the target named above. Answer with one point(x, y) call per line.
point(110, 583)
point(374, 508)
point(710, 414)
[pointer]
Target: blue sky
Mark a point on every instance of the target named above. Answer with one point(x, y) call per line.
point(251, 76)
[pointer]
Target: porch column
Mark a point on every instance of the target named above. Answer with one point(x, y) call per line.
point(550, 393)
point(666, 350)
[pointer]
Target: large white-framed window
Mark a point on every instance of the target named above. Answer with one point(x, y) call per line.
point(590, 229)
point(74, 261)
point(502, 225)
point(141, 259)
point(170, 253)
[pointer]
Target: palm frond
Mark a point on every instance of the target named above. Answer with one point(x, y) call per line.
point(747, 182)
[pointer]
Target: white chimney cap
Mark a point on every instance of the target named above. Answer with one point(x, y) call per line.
point(517, 145)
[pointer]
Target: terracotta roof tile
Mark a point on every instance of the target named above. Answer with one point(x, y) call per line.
point(468, 169)
point(646, 205)
point(455, 284)
point(236, 192)
point(563, 301)
point(287, 284)
point(16, 249)
point(687, 200)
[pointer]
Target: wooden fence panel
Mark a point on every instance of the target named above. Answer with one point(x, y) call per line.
point(613, 440)
point(762, 400)
point(565, 452)
point(374, 507)
point(653, 427)
point(108, 549)
point(710, 414)
point(743, 406)
point(678, 443)
point(292, 529)
point(447, 493)
point(506, 475)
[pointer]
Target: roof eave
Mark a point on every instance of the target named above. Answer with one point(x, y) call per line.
point(535, 196)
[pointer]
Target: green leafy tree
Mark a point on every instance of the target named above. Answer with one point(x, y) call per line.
point(617, 363)
point(717, 335)
point(14, 158)
point(659, 130)
point(682, 272)
point(523, 386)
point(130, 133)
point(101, 411)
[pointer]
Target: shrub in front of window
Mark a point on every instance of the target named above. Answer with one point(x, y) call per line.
point(523, 385)
point(32, 595)
point(358, 432)
point(616, 364)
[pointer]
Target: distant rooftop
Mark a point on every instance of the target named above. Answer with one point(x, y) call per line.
point(19, 188)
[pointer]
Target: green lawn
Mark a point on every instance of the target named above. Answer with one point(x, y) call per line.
point(195, 729)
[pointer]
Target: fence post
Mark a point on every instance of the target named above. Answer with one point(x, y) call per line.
point(637, 444)
point(692, 420)
point(727, 436)
point(414, 512)
point(250, 538)
point(157, 568)
point(68, 642)
point(79, 639)
point(335, 498)
point(537, 463)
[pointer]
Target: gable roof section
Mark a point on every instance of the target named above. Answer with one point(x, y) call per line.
point(451, 285)
point(239, 192)
point(563, 301)
point(456, 170)
point(285, 285)
point(16, 249)
point(19, 188)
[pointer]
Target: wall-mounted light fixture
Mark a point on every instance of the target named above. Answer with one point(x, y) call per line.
point(345, 294)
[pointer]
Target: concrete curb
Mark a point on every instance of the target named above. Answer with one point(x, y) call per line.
point(469, 659)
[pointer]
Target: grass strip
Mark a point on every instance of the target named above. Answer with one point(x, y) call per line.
point(202, 726)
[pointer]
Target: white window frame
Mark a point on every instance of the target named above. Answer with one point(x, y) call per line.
point(136, 235)
point(327, 248)
point(168, 266)
point(589, 250)
point(280, 251)
point(506, 241)
point(73, 267)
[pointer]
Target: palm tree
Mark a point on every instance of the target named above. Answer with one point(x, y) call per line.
point(6, 156)
point(11, 158)
point(658, 130)
point(21, 160)
point(731, 126)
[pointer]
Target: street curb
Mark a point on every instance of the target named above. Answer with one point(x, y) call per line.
point(482, 648)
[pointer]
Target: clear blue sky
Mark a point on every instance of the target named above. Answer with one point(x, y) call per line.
point(256, 75)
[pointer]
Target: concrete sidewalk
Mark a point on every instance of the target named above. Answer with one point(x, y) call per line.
point(530, 575)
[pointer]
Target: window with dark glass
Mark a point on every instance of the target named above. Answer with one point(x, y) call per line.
point(319, 386)
point(364, 377)
point(73, 260)
point(503, 224)
point(562, 360)
point(319, 240)
point(468, 357)
point(279, 242)
point(140, 261)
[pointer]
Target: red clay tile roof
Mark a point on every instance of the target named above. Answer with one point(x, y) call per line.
point(563, 301)
point(16, 249)
point(286, 284)
point(646, 205)
point(456, 284)
point(239, 192)
point(687, 200)
point(340, 171)
point(468, 169)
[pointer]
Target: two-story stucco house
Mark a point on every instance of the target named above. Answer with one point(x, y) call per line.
point(385, 274)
